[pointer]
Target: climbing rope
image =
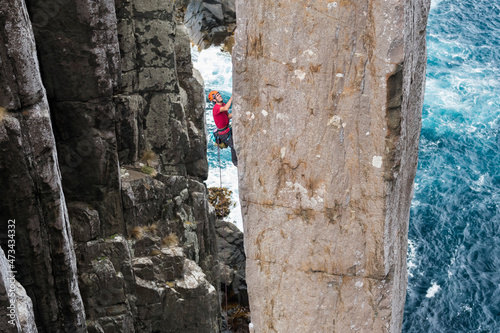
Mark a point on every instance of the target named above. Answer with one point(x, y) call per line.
point(224, 237)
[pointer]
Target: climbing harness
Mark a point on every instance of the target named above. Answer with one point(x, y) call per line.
point(222, 144)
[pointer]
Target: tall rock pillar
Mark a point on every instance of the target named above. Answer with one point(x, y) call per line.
point(34, 226)
point(328, 98)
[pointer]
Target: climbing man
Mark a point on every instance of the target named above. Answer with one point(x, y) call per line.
point(221, 117)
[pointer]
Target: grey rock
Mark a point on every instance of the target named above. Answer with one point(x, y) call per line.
point(192, 294)
point(232, 261)
point(80, 93)
point(143, 199)
point(129, 128)
point(30, 183)
point(15, 305)
point(145, 246)
point(119, 82)
point(209, 22)
point(84, 220)
point(333, 112)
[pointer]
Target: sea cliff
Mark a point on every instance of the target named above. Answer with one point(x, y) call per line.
point(105, 224)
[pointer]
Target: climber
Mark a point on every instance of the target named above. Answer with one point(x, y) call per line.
point(221, 115)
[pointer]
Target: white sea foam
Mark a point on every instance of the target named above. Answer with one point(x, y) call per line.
point(434, 3)
point(216, 69)
point(411, 258)
point(434, 288)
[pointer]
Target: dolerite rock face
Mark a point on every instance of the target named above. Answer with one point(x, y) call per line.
point(16, 307)
point(30, 183)
point(328, 97)
point(159, 99)
point(78, 51)
point(209, 22)
point(145, 283)
point(123, 97)
point(232, 262)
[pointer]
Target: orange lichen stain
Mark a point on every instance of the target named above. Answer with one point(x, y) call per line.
point(255, 47)
point(312, 185)
point(315, 68)
point(307, 215)
point(3, 113)
point(345, 3)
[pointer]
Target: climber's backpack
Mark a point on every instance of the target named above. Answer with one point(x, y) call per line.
point(218, 141)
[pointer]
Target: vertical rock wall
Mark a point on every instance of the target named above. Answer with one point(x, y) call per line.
point(328, 98)
point(209, 22)
point(30, 183)
point(16, 307)
point(78, 50)
point(119, 84)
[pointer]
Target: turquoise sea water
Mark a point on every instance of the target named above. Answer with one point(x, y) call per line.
point(216, 69)
point(454, 235)
point(454, 248)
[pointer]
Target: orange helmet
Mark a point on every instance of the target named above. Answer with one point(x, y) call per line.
point(212, 94)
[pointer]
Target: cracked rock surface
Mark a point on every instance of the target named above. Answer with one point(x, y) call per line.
point(326, 128)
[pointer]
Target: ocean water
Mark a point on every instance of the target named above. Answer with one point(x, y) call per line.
point(454, 235)
point(216, 69)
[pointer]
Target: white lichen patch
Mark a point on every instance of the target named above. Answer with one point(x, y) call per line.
point(264, 113)
point(301, 75)
point(124, 173)
point(339, 75)
point(377, 161)
point(309, 53)
point(281, 116)
point(283, 151)
point(250, 115)
point(359, 284)
point(301, 195)
point(335, 121)
point(332, 5)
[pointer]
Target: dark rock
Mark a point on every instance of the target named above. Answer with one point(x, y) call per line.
point(209, 22)
point(30, 183)
point(84, 220)
point(78, 50)
point(120, 84)
point(145, 246)
point(232, 261)
point(193, 100)
point(16, 307)
point(190, 296)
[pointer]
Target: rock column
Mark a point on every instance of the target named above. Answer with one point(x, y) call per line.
point(78, 50)
point(328, 99)
point(30, 183)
